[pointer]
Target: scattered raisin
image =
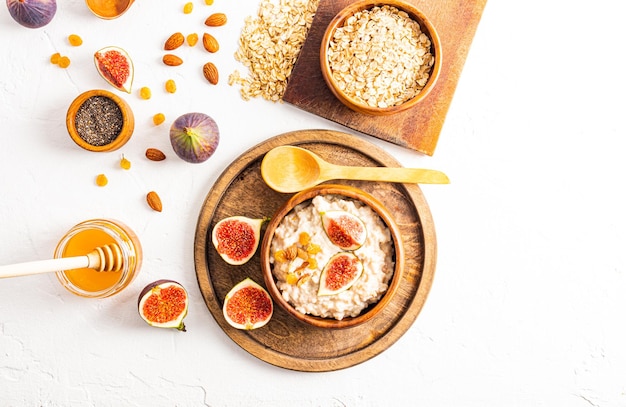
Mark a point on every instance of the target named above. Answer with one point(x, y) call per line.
point(101, 180)
point(208, 2)
point(188, 8)
point(64, 62)
point(125, 163)
point(192, 39)
point(170, 86)
point(158, 118)
point(145, 93)
point(54, 58)
point(75, 40)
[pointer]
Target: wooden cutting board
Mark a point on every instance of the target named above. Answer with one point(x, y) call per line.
point(417, 128)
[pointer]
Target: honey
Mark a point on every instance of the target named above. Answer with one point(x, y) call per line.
point(85, 237)
point(109, 9)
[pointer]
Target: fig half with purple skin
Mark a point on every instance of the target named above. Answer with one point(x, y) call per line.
point(345, 230)
point(115, 67)
point(236, 238)
point(247, 306)
point(340, 273)
point(164, 304)
point(194, 137)
point(32, 13)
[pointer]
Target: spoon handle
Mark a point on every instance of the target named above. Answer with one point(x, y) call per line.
point(44, 266)
point(387, 174)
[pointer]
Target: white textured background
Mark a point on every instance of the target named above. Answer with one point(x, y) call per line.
point(528, 304)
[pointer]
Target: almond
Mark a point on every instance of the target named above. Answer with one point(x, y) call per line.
point(174, 41)
point(154, 154)
point(210, 43)
point(216, 20)
point(154, 201)
point(171, 60)
point(210, 73)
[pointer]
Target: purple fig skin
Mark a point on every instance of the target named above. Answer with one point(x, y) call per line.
point(32, 13)
point(194, 137)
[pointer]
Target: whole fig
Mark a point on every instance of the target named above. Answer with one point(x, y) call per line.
point(194, 137)
point(32, 13)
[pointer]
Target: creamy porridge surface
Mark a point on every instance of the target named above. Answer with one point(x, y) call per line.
point(376, 254)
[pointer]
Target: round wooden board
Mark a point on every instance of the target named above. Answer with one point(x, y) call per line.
point(284, 341)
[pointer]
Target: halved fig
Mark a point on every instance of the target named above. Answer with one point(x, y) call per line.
point(340, 273)
point(164, 304)
point(116, 67)
point(345, 230)
point(236, 238)
point(247, 305)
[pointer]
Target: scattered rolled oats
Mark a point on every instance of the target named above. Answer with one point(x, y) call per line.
point(380, 57)
point(269, 46)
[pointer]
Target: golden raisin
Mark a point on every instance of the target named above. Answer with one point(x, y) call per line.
point(101, 180)
point(208, 2)
point(291, 278)
point(313, 248)
point(188, 8)
point(158, 118)
point(312, 263)
point(124, 163)
point(54, 58)
point(75, 40)
point(192, 39)
point(279, 256)
point(64, 62)
point(170, 86)
point(304, 238)
point(145, 93)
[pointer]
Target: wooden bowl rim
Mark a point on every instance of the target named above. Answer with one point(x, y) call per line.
point(352, 193)
point(127, 117)
point(426, 26)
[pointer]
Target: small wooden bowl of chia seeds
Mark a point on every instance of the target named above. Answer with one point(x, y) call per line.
point(98, 120)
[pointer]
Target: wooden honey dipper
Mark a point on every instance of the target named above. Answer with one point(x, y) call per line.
point(107, 258)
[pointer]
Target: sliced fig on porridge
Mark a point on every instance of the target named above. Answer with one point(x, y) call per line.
point(340, 273)
point(345, 230)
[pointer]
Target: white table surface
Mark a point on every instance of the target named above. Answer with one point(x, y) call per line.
point(527, 306)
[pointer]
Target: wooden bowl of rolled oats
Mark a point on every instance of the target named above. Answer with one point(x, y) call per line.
point(380, 58)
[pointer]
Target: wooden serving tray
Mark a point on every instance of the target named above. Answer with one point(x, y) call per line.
point(417, 128)
point(285, 341)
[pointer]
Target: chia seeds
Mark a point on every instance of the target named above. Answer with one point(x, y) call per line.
point(99, 120)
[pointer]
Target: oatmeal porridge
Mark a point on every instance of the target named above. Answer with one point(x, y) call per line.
point(300, 249)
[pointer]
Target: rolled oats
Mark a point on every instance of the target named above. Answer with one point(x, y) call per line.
point(380, 57)
point(269, 46)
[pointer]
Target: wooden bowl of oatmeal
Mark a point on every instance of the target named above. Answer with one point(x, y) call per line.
point(294, 281)
point(99, 120)
point(380, 57)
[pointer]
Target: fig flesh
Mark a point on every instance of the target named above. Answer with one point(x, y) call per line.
point(248, 305)
point(32, 13)
point(164, 304)
point(236, 238)
point(115, 67)
point(340, 273)
point(345, 230)
point(194, 137)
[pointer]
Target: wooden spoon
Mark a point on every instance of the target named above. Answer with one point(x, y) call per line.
point(104, 258)
point(292, 169)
